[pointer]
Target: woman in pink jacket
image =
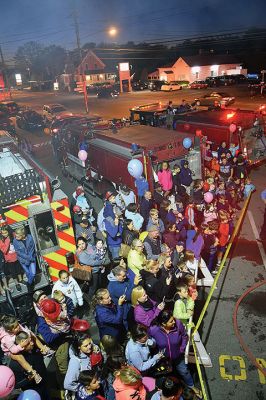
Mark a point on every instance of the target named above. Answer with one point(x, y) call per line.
point(165, 178)
point(12, 266)
point(128, 385)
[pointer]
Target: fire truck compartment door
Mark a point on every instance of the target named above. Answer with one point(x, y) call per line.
point(112, 147)
point(42, 226)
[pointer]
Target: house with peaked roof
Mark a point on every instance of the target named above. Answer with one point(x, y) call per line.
point(96, 70)
point(199, 67)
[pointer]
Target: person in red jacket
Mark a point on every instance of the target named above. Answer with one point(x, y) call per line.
point(223, 234)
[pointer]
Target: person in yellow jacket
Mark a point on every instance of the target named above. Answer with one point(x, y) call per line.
point(136, 259)
point(184, 305)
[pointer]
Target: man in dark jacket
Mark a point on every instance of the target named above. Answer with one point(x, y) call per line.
point(120, 285)
point(114, 229)
point(152, 243)
point(145, 207)
point(185, 176)
point(158, 195)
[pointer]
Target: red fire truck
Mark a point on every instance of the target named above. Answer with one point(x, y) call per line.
point(242, 127)
point(30, 197)
point(110, 151)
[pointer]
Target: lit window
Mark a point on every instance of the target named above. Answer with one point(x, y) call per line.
point(195, 70)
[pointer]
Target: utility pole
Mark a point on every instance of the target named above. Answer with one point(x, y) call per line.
point(83, 79)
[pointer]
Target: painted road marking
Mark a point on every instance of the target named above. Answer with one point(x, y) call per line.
point(225, 361)
point(47, 143)
point(242, 366)
point(257, 237)
point(262, 377)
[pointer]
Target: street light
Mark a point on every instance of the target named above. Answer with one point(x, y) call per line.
point(112, 31)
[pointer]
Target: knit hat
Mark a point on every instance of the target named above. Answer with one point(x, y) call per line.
point(79, 190)
point(180, 243)
point(36, 295)
point(152, 228)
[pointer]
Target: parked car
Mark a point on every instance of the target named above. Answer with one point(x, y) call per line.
point(171, 86)
point(212, 81)
point(155, 85)
point(184, 84)
point(209, 99)
point(198, 85)
point(29, 120)
point(65, 122)
point(226, 80)
point(107, 93)
point(52, 111)
point(9, 108)
point(6, 125)
point(139, 85)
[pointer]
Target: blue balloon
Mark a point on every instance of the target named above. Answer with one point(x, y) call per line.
point(83, 146)
point(135, 168)
point(29, 395)
point(187, 143)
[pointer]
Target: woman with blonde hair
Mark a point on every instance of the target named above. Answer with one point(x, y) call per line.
point(135, 259)
point(128, 384)
point(145, 309)
point(150, 281)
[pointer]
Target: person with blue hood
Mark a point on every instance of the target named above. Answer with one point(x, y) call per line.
point(185, 175)
point(120, 285)
point(113, 225)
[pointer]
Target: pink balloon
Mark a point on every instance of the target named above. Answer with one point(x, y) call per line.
point(208, 197)
point(82, 155)
point(7, 381)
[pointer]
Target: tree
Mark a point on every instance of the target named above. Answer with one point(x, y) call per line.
point(39, 62)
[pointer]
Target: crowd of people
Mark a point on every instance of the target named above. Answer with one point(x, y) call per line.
point(140, 257)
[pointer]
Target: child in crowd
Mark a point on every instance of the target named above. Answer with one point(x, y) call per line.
point(69, 286)
point(210, 213)
point(223, 234)
point(189, 280)
point(184, 305)
point(249, 187)
point(65, 302)
point(89, 386)
point(8, 331)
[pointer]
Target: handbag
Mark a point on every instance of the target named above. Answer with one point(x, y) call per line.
point(81, 272)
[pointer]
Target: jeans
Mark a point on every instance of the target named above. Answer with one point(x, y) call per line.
point(95, 282)
point(30, 271)
point(182, 369)
point(114, 251)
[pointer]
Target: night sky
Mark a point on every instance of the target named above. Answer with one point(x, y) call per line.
point(50, 21)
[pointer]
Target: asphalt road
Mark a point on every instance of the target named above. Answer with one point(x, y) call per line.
point(119, 107)
point(232, 375)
